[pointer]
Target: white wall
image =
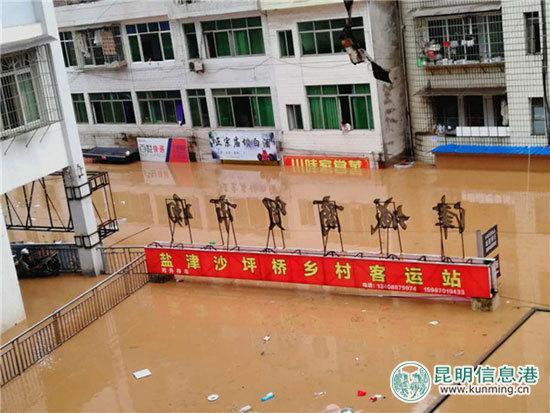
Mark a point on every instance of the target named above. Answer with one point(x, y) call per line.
point(287, 77)
point(22, 164)
point(13, 310)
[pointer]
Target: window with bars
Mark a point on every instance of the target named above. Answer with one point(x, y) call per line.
point(532, 32)
point(198, 107)
point(244, 107)
point(28, 94)
point(294, 115)
point(323, 36)
point(538, 126)
point(191, 40)
point(150, 41)
point(286, 47)
point(162, 106)
point(462, 39)
point(92, 47)
point(446, 111)
point(330, 105)
point(79, 105)
point(112, 107)
point(233, 37)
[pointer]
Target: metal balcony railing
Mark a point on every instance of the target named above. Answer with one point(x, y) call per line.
point(28, 97)
point(52, 331)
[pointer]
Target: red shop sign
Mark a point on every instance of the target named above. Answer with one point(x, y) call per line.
point(438, 278)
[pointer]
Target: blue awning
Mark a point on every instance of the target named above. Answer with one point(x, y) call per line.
point(492, 150)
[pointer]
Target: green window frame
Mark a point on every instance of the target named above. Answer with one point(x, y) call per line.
point(79, 106)
point(112, 107)
point(191, 40)
point(323, 36)
point(160, 106)
point(244, 107)
point(538, 126)
point(233, 37)
point(19, 99)
point(286, 46)
point(150, 41)
point(67, 47)
point(198, 108)
point(330, 105)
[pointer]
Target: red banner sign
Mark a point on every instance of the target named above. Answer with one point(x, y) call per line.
point(179, 151)
point(326, 162)
point(438, 278)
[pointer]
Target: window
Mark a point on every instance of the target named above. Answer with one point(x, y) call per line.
point(446, 111)
point(246, 107)
point(150, 41)
point(500, 110)
point(474, 38)
point(233, 37)
point(473, 111)
point(532, 32)
point(79, 106)
point(28, 99)
point(67, 46)
point(191, 38)
point(332, 104)
point(102, 46)
point(294, 114)
point(94, 47)
point(323, 36)
point(538, 126)
point(286, 47)
point(161, 107)
point(199, 109)
point(114, 107)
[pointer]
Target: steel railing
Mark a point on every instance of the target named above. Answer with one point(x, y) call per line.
point(41, 339)
point(66, 253)
point(115, 258)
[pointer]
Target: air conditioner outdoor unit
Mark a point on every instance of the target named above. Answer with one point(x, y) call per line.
point(196, 66)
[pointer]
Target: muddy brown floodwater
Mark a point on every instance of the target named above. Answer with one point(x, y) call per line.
point(201, 338)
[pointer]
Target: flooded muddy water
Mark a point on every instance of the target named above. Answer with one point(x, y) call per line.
point(200, 338)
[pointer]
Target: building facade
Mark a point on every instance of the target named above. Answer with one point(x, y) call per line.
point(38, 134)
point(186, 68)
point(476, 72)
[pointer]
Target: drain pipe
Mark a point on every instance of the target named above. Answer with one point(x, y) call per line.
point(406, 76)
point(545, 70)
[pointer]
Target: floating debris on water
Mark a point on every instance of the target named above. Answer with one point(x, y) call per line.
point(361, 393)
point(434, 322)
point(377, 397)
point(213, 397)
point(245, 409)
point(141, 373)
point(319, 393)
point(267, 338)
point(268, 396)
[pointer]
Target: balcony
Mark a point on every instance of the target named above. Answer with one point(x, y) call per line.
point(28, 97)
point(460, 42)
point(98, 48)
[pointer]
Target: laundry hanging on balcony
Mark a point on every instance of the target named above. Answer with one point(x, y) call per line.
point(108, 43)
point(80, 44)
point(97, 38)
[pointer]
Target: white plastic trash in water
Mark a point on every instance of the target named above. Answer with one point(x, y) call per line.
point(141, 373)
